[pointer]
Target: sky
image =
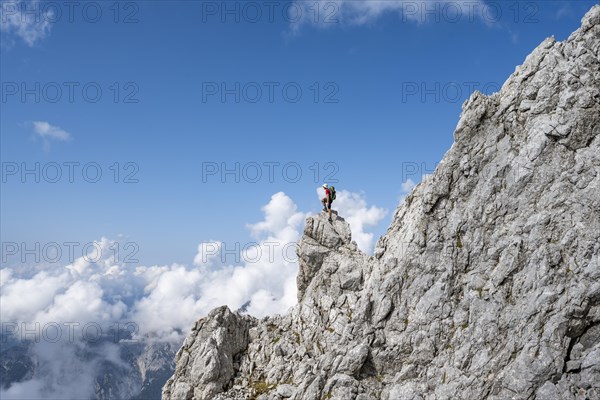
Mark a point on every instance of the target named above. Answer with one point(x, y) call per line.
point(159, 158)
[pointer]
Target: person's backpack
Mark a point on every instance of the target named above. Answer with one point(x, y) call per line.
point(331, 193)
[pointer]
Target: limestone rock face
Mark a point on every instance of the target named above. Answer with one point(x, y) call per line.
point(321, 241)
point(210, 356)
point(485, 286)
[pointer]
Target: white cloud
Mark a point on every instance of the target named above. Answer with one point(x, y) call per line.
point(41, 290)
point(208, 253)
point(50, 132)
point(54, 309)
point(63, 371)
point(30, 27)
point(170, 302)
point(405, 189)
point(266, 275)
point(328, 13)
point(82, 302)
point(164, 300)
point(281, 218)
point(408, 186)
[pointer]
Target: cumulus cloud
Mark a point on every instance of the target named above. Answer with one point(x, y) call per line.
point(21, 299)
point(30, 27)
point(281, 217)
point(260, 274)
point(327, 13)
point(208, 253)
point(165, 299)
point(169, 302)
point(160, 302)
point(265, 278)
point(62, 313)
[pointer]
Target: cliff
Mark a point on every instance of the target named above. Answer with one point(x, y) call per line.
point(485, 286)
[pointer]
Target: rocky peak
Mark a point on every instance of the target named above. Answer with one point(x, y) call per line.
point(485, 286)
point(321, 243)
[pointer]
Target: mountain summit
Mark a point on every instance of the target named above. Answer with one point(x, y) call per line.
point(485, 286)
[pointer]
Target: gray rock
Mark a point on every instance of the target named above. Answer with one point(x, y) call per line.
point(547, 392)
point(285, 391)
point(485, 286)
point(206, 363)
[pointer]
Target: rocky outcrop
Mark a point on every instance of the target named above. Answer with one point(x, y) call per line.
point(485, 286)
point(321, 241)
point(210, 356)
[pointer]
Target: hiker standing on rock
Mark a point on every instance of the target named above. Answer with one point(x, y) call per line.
point(328, 199)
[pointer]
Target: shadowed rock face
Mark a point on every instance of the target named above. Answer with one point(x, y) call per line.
point(485, 286)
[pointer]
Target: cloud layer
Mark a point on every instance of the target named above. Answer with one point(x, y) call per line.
point(163, 300)
point(63, 307)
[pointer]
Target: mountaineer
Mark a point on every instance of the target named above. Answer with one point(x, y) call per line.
point(328, 199)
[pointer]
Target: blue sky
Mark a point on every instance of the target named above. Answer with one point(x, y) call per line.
point(371, 120)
